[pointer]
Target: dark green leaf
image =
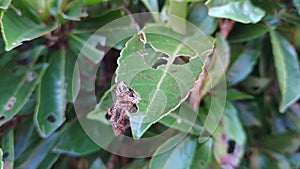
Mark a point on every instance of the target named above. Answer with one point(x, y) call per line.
point(242, 32)
point(49, 160)
point(1, 160)
point(244, 64)
point(256, 85)
point(91, 2)
point(282, 142)
point(234, 95)
point(51, 102)
point(70, 73)
point(17, 29)
point(198, 15)
point(75, 142)
point(287, 68)
point(7, 145)
point(179, 157)
point(37, 152)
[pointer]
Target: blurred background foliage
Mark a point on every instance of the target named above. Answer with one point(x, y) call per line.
point(259, 45)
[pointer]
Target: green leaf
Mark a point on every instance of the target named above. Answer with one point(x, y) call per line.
point(164, 88)
point(268, 160)
point(249, 113)
point(7, 145)
point(87, 44)
point(198, 15)
point(177, 9)
point(37, 152)
point(229, 139)
point(21, 84)
point(203, 155)
point(93, 24)
point(71, 10)
point(1, 160)
point(17, 29)
point(297, 5)
point(234, 95)
point(100, 111)
point(287, 68)
point(25, 135)
point(256, 85)
point(114, 25)
point(179, 157)
point(4, 4)
point(49, 161)
point(41, 8)
point(245, 63)
point(70, 74)
point(91, 2)
point(241, 11)
point(282, 142)
point(97, 164)
point(242, 32)
point(51, 101)
point(75, 142)
point(184, 119)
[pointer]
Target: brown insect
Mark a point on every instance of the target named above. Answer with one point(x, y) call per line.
point(126, 102)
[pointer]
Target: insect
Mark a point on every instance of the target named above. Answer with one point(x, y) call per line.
point(126, 101)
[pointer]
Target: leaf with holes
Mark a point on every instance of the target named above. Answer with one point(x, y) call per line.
point(229, 139)
point(287, 68)
point(162, 89)
point(51, 101)
point(17, 86)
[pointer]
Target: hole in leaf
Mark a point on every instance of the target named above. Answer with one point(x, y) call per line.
point(231, 146)
point(107, 116)
point(181, 60)
point(2, 117)
point(5, 155)
point(51, 118)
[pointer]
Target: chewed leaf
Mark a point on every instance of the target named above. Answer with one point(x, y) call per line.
point(163, 89)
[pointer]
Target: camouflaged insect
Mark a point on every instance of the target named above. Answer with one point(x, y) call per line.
point(126, 101)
